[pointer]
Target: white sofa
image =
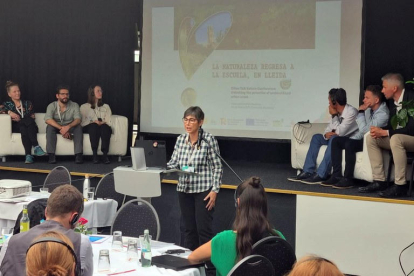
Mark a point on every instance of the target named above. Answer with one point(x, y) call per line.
point(300, 141)
point(11, 143)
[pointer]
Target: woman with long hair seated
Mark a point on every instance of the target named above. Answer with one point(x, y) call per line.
point(315, 266)
point(23, 120)
point(51, 258)
point(250, 226)
point(96, 120)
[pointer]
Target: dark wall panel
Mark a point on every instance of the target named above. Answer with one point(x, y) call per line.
point(79, 43)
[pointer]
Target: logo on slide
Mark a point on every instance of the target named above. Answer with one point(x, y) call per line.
point(196, 43)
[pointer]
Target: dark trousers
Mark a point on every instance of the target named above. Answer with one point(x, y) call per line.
point(351, 147)
point(97, 132)
point(28, 129)
point(51, 138)
point(197, 219)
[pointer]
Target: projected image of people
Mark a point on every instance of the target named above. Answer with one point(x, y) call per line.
point(196, 152)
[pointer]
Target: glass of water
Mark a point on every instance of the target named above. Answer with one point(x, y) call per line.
point(44, 190)
point(132, 251)
point(6, 232)
point(117, 244)
point(104, 264)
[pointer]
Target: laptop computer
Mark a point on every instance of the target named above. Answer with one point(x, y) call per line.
point(174, 262)
point(138, 159)
point(155, 153)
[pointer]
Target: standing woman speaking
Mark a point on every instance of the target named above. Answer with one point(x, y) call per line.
point(96, 120)
point(23, 120)
point(197, 193)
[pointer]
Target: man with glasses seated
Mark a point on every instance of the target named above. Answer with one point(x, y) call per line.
point(63, 117)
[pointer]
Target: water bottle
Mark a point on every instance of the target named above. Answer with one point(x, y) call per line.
point(86, 185)
point(146, 255)
point(25, 221)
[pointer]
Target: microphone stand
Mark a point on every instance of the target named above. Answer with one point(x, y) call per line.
point(224, 161)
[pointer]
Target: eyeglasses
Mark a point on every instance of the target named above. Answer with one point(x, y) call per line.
point(191, 120)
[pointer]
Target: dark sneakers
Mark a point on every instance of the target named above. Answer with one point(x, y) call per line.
point(373, 187)
point(300, 177)
point(52, 158)
point(79, 158)
point(315, 179)
point(394, 191)
point(331, 181)
point(344, 183)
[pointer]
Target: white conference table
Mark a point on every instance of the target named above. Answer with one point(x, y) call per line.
point(121, 266)
point(99, 213)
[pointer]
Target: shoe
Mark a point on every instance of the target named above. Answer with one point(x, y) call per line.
point(52, 158)
point(316, 179)
point(331, 181)
point(79, 158)
point(105, 159)
point(394, 191)
point(38, 151)
point(373, 187)
point(95, 159)
point(299, 177)
point(29, 159)
point(344, 183)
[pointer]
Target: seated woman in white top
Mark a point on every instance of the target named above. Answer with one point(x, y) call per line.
point(96, 120)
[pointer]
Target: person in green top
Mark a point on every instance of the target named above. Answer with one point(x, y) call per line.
point(250, 225)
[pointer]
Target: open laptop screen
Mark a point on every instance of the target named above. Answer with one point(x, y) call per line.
point(155, 153)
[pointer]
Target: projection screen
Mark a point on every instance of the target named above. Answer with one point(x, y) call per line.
point(254, 67)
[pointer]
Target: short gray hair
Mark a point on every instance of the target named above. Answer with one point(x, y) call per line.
point(194, 111)
point(395, 78)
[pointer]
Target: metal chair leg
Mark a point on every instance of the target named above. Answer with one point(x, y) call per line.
point(390, 169)
point(410, 188)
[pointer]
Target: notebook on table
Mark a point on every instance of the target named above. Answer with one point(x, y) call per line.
point(174, 262)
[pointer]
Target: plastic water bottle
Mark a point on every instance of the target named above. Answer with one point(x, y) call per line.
point(86, 185)
point(24, 221)
point(146, 254)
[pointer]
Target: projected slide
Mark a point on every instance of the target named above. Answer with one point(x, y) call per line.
point(254, 67)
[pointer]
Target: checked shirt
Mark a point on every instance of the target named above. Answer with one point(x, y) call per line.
point(205, 161)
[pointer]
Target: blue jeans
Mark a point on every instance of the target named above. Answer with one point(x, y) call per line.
point(310, 162)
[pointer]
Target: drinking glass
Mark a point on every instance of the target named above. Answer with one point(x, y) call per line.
point(117, 241)
point(44, 190)
point(6, 232)
point(132, 251)
point(90, 196)
point(104, 264)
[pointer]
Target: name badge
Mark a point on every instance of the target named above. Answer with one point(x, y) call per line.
point(187, 168)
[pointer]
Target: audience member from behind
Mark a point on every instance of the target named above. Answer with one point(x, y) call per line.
point(23, 121)
point(251, 225)
point(64, 208)
point(96, 120)
point(342, 124)
point(315, 266)
point(51, 253)
point(63, 117)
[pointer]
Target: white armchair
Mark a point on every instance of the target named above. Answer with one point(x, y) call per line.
point(11, 143)
point(300, 141)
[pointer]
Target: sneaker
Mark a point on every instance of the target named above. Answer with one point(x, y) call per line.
point(331, 181)
point(299, 177)
point(79, 158)
point(316, 179)
point(374, 187)
point(29, 159)
point(52, 158)
point(344, 183)
point(105, 159)
point(95, 159)
point(38, 151)
point(394, 191)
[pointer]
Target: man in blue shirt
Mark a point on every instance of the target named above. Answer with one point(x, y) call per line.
point(342, 124)
point(373, 112)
